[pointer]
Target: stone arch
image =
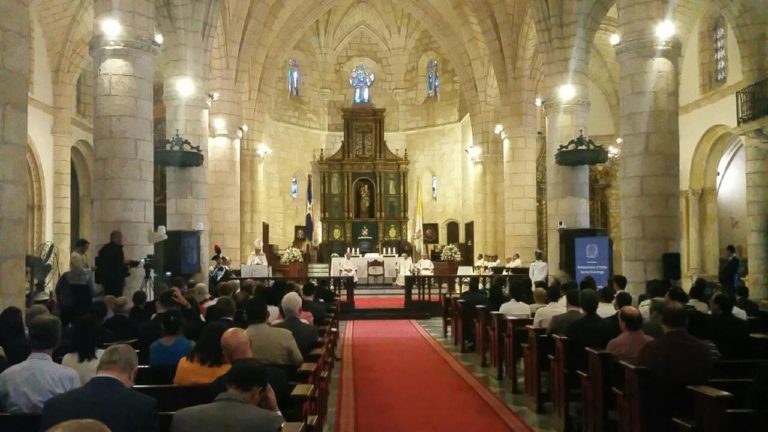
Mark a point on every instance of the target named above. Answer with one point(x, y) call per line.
point(82, 191)
point(702, 227)
point(35, 198)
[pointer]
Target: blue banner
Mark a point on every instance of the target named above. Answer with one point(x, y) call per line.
point(593, 258)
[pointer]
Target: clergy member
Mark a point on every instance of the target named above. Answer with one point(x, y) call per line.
point(480, 261)
point(348, 267)
point(538, 270)
point(514, 262)
point(425, 266)
point(495, 263)
point(403, 267)
point(257, 257)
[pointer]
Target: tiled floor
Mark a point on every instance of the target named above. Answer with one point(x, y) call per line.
point(472, 362)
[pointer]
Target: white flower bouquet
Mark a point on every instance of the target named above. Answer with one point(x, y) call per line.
point(291, 255)
point(451, 253)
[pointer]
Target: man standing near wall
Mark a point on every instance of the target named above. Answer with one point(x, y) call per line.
point(111, 270)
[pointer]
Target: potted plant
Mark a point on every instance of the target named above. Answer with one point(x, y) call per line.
point(294, 261)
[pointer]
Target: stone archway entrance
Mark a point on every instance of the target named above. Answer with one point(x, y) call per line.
point(81, 198)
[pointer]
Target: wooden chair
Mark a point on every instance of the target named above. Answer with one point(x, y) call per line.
point(596, 383)
point(515, 336)
point(535, 362)
point(376, 270)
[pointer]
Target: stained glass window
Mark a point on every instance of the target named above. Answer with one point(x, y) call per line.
point(294, 188)
point(361, 79)
point(293, 77)
point(433, 78)
point(721, 55)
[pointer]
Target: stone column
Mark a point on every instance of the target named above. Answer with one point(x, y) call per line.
point(567, 187)
point(519, 147)
point(122, 129)
point(694, 227)
point(650, 165)
point(757, 213)
point(15, 37)
point(224, 174)
point(62, 180)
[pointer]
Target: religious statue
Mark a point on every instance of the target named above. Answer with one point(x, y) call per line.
point(365, 201)
point(335, 184)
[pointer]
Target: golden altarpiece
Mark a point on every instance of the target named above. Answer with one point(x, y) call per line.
point(364, 198)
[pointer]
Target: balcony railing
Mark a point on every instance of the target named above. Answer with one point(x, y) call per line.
point(752, 102)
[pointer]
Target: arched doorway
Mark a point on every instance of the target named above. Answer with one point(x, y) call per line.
point(35, 200)
point(81, 198)
point(716, 201)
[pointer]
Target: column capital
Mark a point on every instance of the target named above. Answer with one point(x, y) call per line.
point(100, 44)
point(648, 46)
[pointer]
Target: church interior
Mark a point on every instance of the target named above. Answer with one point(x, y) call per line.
point(401, 153)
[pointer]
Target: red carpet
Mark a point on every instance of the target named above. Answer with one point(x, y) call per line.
point(379, 302)
point(396, 377)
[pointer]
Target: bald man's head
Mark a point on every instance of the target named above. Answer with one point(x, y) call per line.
point(82, 425)
point(631, 318)
point(236, 344)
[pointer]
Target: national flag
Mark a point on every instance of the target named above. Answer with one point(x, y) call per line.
point(418, 235)
point(309, 225)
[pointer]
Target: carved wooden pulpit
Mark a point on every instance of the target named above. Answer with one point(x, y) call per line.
point(364, 198)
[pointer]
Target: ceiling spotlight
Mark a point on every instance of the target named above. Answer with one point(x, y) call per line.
point(566, 92)
point(111, 28)
point(665, 30)
point(615, 39)
point(497, 130)
point(159, 39)
point(185, 86)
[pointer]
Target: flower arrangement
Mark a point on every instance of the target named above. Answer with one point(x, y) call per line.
point(334, 255)
point(451, 253)
point(291, 255)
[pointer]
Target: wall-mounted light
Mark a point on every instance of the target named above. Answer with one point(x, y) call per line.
point(619, 140)
point(566, 92)
point(613, 151)
point(244, 128)
point(158, 39)
point(263, 150)
point(185, 86)
point(473, 152)
point(111, 28)
point(505, 141)
point(665, 30)
point(497, 130)
point(219, 125)
point(614, 39)
point(538, 101)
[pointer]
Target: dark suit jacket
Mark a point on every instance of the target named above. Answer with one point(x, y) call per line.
point(317, 309)
point(613, 323)
point(110, 265)
point(277, 377)
point(560, 323)
point(123, 327)
point(140, 315)
point(750, 307)
point(104, 399)
point(474, 298)
point(729, 272)
point(306, 335)
point(226, 413)
point(730, 335)
point(677, 358)
point(589, 331)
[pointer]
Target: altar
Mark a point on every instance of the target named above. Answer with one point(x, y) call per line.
point(361, 263)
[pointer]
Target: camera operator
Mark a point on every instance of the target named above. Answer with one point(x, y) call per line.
point(111, 267)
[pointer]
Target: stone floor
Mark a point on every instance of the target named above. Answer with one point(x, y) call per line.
point(471, 361)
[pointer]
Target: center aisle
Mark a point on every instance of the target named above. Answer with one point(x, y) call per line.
point(396, 377)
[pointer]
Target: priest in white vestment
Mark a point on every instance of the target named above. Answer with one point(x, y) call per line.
point(257, 257)
point(425, 267)
point(514, 262)
point(348, 267)
point(403, 267)
point(480, 261)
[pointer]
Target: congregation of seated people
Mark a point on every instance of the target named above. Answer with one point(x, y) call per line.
point(677, 335)
point(240, 341)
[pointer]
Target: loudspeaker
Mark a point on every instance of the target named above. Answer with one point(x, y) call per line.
point(670, 266)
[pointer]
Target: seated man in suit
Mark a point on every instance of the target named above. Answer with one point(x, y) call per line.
point(729, 334)
point(560, 323)
point(25, 387)
point(620, 300)
point(626, 347)
point(248, 405)
point(270, 344)
point(743, 302)
point(108, 397)
point(120, 324)
point(318, 309)
point(589, 331)
point(306, 335)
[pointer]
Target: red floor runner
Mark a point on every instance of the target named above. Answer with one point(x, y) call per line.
point(395, 377)
point(379, 302)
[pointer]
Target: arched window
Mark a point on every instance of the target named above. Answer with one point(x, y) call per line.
point(433, 79)
point(720, 50)
point(361, 79)
point(293, 77)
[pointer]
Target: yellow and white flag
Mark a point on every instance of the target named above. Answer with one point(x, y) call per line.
point(418, 234)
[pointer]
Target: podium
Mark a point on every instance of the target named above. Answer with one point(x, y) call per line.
point(254, 271)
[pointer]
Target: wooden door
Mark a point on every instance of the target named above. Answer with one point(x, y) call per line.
point(452, 232)
point(469, 239)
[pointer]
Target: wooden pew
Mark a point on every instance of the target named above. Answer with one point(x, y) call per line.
point(481, 322)
point(456, 329)
point(717, 410)
point(496, 331)
point(466, 320)
point(19, 422)
point(596, 382)
point(171, 398)
point(535, 363)
point(515, 335)
point(631, 398)
point(446, 314)
point(152, 375)
point(564, 381)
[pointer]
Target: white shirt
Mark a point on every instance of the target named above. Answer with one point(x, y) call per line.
point(516, 263)
point(403, 267)
point(86, 370)
point(544, 315)
point(645, 308)
point(348, 268)
point(496, 263)
point(254, 259)
point(538, 271)
point(425, 266)
point(605, 310)
point(514, 307)
point(739, 313)
point(480, 263)
point(25, 387)
point(699, 305)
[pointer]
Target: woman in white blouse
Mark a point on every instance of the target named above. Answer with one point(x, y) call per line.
point(84, 358)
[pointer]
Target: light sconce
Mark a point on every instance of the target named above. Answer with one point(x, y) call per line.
point(244, 128)
point(219, 125)
point(665, 30)
point(185, 86)
point(263, 150)
point(497, 130)
point(111, 28)
point(538, 102)
point(159, 39)
point(214, 96)
point(566, 92)
point(613, 152)
point(505, 141)
point(619, 140)
point(473, 152)
point(614, 39)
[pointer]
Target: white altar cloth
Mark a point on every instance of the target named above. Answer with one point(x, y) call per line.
point(362, 267)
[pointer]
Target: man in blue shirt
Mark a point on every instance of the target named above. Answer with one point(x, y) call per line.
point(25, 387)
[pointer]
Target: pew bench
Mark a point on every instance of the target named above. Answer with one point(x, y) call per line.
point(536, 365)
point(515, 336)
